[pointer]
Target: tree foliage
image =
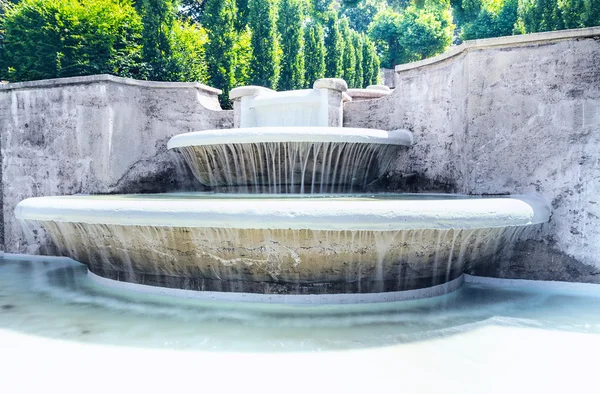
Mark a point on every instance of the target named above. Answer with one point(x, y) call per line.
point(314, 53)
point(385, 32)
point(266, 52)
point(491, 22)
point(546, 15)
point(192, 9)
point(158, 18)
point(359, 72)
point(362, 13)
point(371, 63)
point(188, 55)
point(334, 46)
point(319, 10)
point(291, 33)
point(426, 31)
point(348, 53)
point(218, 18)
point(418, 32)
point(242, 56)
point(493, 18)
point(64, 38)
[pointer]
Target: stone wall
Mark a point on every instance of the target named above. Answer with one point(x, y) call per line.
point(387, 77)
point(97, 134)
point(508, 115)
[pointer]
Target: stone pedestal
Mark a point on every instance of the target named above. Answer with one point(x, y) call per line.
point(257, 106)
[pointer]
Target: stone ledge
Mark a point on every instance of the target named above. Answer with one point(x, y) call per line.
point(250, 90)
point(88, 79)
point(371, 92)
point(508, 41)
point(331, 84)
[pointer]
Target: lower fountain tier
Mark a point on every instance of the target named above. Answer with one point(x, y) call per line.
point(284, 244)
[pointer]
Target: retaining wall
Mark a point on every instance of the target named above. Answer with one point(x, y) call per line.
point(96, 134)
point(511, 115)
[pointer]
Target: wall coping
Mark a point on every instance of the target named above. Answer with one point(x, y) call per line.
point(88, 79)
point(508, 41)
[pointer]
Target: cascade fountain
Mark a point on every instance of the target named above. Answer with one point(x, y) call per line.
point(289, 219)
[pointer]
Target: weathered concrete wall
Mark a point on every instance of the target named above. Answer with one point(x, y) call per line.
point(387, 77)
point(98, 134)
point(509, 115)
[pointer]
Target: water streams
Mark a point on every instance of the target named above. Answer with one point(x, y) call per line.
point(290, 167)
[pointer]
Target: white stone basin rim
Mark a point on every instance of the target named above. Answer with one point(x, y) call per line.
point(336, 213)
point(291, 134)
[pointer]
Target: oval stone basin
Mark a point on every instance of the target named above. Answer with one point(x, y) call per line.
point(284, 244)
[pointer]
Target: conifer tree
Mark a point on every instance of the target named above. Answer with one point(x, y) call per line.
point(367, 61)
point(266, 52)
point(158, 17)
point(357, 42)
point(348, 55)
point(538, 15)
point(291, 33)
point(334, 46)
point(371, 63)
point(242, 55)
point(242, 14)
point(218, 19)
point(314, 53)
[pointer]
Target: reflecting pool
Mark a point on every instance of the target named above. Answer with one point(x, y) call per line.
point(55, 298)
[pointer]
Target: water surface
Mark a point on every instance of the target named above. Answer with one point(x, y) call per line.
point(54, 298)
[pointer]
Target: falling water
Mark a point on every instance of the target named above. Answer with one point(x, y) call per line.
point(275, 260)
point(290, 167)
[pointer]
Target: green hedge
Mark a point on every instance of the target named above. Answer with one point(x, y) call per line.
point(63, 38)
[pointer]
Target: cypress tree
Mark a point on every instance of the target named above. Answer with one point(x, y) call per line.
point(334, 46)
point(366, 53)
point(158, 17)
point(318, 10)
point(266, 53)
point(314, 52)
point(242, 14)
point(357, 42)
point(375, 66)
point(242, 51)
point(371, 63)
point(289, 23)
point(218, 19)
point(349, 54)
point(539, 15)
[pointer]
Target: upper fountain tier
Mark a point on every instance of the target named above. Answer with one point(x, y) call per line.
point(291, 142)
